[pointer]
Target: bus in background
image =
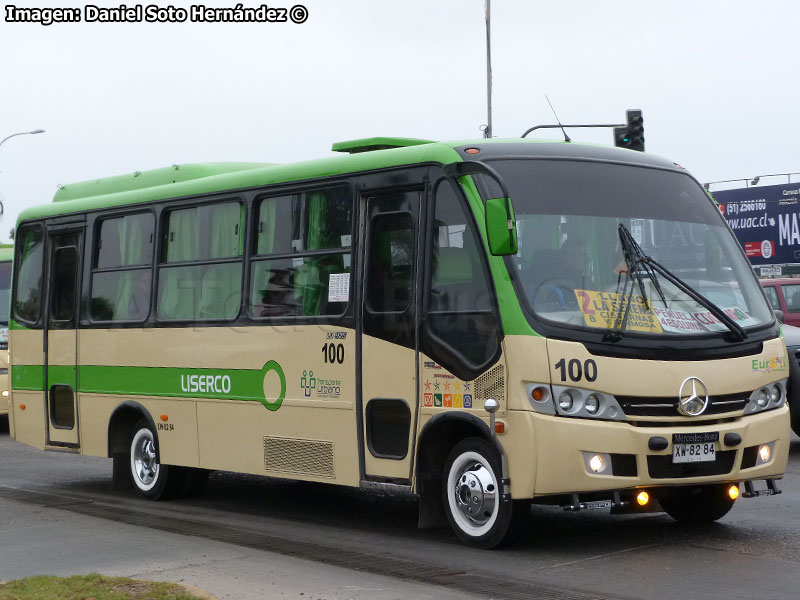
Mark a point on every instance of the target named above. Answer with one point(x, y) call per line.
point(484, 324)
point(6, 256)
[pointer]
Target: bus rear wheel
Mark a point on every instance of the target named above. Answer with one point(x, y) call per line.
point(700, 504)
point(472, 492)
point(151, 479)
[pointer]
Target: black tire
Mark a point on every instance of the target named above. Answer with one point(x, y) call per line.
point(700, 504)
point(150, 479)
point(472, 495)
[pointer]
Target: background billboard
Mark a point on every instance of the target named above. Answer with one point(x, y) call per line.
point(766, 220)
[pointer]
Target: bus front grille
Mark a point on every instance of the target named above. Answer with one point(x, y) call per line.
point(299, 457)
point(637, 406)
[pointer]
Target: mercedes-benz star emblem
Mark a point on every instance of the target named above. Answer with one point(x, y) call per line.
point(692, 397)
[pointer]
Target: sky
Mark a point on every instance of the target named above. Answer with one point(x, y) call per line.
point(717, 82)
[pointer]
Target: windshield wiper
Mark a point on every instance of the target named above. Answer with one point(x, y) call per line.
point(639, 267)
point(636, 260)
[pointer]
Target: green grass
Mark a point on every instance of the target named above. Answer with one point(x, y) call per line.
point(90, 587)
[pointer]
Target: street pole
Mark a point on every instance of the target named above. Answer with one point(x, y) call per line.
point(487, 133)
point(8, 137)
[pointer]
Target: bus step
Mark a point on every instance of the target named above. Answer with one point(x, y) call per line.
point(751, 492)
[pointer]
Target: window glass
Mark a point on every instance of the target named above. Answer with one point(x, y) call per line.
point(120, 295)
point(791, 293)
point(204, 232)
point(575, 221)
point(203, 291)
point(390, 263)
point(29, 264)
point(458, 282)
point(5, 285)
point(125, 241)
point(318, 220)
point(123, 294)
point(307, 286)
point(772, 296)
point(461, 327)
point(65, 264)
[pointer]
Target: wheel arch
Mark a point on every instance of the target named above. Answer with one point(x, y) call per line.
point(122, 420)
point(437, 438)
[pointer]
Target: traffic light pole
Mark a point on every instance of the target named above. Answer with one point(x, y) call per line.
point(628, 135)
point(527, 131)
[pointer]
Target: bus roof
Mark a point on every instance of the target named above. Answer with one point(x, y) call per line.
point(357, 155)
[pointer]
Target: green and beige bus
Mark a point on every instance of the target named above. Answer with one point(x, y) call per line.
point(483, 324)
point(6, 256)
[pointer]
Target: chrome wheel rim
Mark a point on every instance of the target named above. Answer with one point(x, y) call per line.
point(472, 494)
point(144, 465)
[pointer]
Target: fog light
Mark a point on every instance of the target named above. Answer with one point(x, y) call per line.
point(592, 404)
point(765, 453)
point(565, 401)
point(642, 498)
point(763, 398)
point(775, 394)
point(733, 491)
point(597, 463)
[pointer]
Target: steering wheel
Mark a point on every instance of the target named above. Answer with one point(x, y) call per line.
point(555, 294)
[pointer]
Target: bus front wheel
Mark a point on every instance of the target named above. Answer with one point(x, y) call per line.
point(150, 478)
point(472, 493)
point(701, 504)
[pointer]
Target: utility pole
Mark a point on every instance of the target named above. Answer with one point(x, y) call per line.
point(487, 133)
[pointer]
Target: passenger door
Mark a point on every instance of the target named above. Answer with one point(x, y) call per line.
point(388, 336)
point(60, 331)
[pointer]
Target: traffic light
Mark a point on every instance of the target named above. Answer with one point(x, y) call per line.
point(632, 135)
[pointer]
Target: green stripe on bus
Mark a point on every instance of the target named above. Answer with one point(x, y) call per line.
point(231, 384)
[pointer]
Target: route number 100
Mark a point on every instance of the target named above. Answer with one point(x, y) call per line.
point(576, 370)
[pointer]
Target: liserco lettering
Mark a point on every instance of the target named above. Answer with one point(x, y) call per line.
point(206, 384)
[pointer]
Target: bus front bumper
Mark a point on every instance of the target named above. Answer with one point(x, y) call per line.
point(637, 457)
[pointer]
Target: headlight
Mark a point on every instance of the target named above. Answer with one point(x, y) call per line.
point(565, 401)
point(767, 398)
point(570, 401)
point(775, 394)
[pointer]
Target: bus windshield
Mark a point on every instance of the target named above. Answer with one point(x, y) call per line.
point(571, 265)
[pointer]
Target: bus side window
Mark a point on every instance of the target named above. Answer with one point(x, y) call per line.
point(204, 243)
point(461, 331)
point(301, 261)
point(122, 268)
point(29, 264)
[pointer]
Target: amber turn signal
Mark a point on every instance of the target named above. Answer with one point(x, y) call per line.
point(22, 407)
point(499, 427)
point(537, 394)
point(643, 498)
point(164, 418)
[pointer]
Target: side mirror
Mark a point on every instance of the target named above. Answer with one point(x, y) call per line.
point(780, 316)
point(501, 226)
